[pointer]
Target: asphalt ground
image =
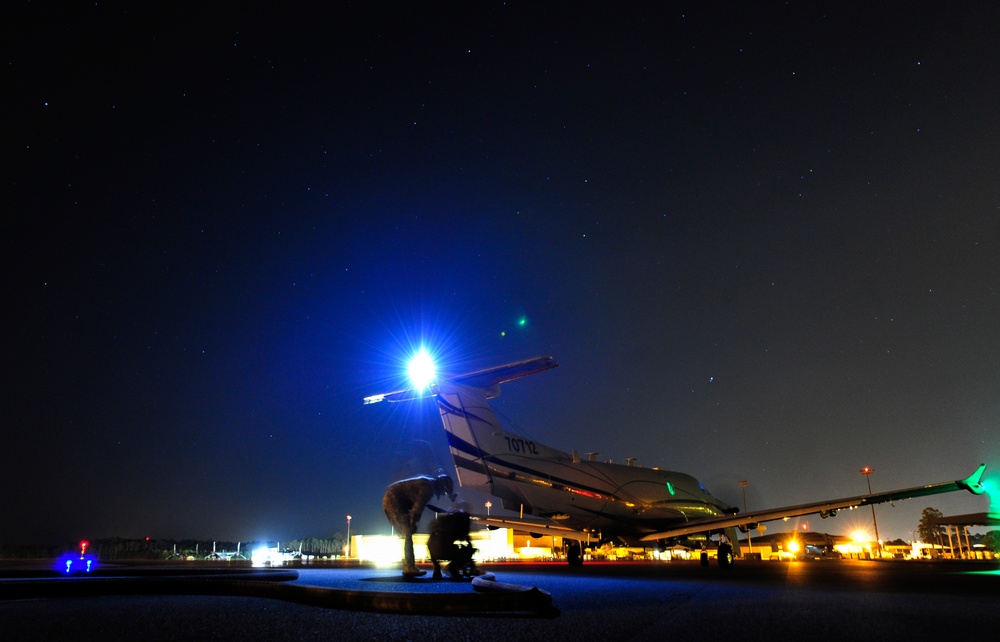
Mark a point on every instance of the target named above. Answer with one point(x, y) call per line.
point(847, 599)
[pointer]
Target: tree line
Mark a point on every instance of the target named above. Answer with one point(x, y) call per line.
point(119, 548)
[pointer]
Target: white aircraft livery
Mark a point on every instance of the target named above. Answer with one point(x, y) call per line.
point(558, 493)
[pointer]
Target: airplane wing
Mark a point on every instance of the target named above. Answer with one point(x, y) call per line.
point(972, 483)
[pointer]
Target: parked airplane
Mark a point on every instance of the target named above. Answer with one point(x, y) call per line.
point(558, 493)
point(224, 555)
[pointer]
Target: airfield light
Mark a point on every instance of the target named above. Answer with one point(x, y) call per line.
point(861, 537)
point(992, 490)
point(421, 369)
point(77, 563)
point(267, 556)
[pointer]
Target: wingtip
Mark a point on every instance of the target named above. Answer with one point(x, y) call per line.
point(974, 482)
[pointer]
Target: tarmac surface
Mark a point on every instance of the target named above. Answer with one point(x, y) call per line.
point(847, 599)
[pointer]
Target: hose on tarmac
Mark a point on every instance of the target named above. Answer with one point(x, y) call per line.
point(506, 599)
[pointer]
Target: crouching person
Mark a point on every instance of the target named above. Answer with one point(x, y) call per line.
point(449, 541)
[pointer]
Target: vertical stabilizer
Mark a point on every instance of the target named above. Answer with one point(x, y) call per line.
point(477, 442)
point(469, 422)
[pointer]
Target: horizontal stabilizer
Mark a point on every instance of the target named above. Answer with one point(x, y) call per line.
point(488, 379)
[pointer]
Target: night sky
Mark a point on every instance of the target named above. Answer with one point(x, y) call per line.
point(762, 241)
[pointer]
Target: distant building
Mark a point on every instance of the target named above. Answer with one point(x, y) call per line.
point(959, 545)
point(506, 544)
point(388, 549)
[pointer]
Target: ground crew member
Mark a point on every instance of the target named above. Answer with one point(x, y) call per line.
point(404, 503)
point(449, 540)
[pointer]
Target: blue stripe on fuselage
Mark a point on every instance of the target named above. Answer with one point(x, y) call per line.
point(479, 455)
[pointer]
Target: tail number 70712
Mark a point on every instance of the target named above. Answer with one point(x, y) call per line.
point(518, 445)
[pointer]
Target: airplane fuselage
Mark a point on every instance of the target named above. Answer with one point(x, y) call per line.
point(609, 500)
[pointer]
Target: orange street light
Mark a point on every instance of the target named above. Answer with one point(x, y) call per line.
point(744, 483)
point(866, 471)
point(348, 537)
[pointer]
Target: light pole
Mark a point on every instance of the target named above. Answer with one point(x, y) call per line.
point(348, 537)
point(866, 471)
point(744, 483)
point(488, 505)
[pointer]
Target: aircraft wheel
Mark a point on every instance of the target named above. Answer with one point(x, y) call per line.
point(704, 558)
point(574, 555)
point(725, 556)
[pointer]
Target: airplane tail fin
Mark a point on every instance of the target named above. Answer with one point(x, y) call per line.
point(469, 422)
point(475, 436)
point(474, 432)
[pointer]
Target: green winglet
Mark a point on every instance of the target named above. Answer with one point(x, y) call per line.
point(973, 483)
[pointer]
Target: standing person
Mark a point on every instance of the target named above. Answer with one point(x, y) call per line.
point(404, 502)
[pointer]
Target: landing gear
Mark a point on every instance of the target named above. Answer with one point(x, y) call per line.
point(725, 555)
point(574, 554)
